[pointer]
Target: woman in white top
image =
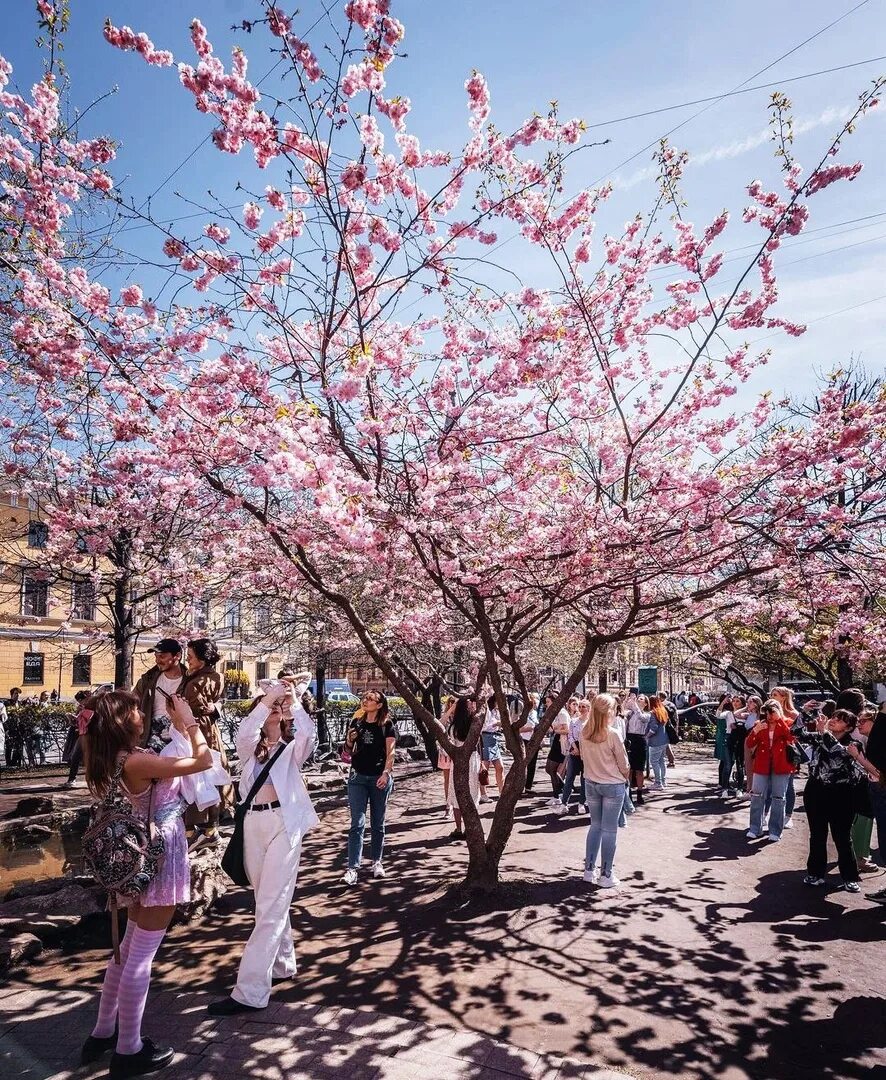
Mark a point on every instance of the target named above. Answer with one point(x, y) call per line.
point(605, 771)
point(526, 733)
point(279, 729)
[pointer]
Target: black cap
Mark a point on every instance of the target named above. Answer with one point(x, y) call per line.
point(168, 644)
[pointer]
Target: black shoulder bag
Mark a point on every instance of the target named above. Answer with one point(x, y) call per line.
point(232, 862)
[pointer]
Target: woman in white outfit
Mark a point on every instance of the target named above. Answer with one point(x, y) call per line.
point(276, 728)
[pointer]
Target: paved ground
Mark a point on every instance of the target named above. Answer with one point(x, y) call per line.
point(713, 960)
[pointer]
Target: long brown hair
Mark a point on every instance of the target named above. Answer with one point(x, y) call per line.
point(261, 750)
point(109, 732)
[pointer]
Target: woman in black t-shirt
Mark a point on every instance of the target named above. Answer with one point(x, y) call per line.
point(371, 739)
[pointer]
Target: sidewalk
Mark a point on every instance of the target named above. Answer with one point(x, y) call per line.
point(712, 960)
point(285, 1042)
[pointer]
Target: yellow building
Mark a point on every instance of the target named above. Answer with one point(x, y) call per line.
point(55, 637)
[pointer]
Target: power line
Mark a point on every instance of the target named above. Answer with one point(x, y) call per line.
point(734, 93)
point(734, 90)
point(821, 318)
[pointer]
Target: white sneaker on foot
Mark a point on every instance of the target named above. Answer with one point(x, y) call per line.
point(592, 876)
point(788, 823)
point(350, 877)
point(609, 881)
point(751, 835)
point(378, 871)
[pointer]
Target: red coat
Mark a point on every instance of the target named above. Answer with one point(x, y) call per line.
point(771, 758)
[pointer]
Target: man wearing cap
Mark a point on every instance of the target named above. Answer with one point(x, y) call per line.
point(155, 687)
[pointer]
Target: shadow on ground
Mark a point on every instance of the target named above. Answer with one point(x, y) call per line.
point(686, 972)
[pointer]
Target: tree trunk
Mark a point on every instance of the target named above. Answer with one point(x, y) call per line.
point(124, 639)
point(845, 674)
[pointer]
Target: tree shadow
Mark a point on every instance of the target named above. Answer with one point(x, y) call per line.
point(679, 976)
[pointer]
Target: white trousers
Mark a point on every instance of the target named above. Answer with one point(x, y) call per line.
point(271, 860)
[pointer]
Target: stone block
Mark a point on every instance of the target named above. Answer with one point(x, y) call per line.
point(18, 950)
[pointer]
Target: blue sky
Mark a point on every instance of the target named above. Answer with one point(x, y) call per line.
point(601, 62)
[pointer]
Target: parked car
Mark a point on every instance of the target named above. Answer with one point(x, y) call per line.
point(344, 698)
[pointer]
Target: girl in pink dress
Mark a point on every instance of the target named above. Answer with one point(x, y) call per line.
point(111, 728)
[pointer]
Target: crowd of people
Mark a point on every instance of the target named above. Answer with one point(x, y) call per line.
point(158, 751)
point(596, 745)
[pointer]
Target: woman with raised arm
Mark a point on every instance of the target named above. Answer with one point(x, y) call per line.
point(769, 742)
point(371, 740)
point(276, 738)
point(111, 728)
point(785, 697)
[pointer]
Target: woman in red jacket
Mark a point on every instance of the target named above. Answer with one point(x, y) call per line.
point(769, 741)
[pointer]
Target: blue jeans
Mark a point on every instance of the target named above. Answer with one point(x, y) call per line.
point(659, 763)
point(771, 788)
point(627, 808)
point(790, 799)
point(724, 773)
point(363, 790)
point(605, 803)
point(573, 769)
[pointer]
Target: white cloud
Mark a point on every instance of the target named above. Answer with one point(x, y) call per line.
point(829, 117)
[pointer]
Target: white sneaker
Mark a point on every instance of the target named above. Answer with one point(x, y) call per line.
point(592, 876)
point(378, 871)
point(658, 787)
point(608, 881)
point(751, 835)
point(788, 823)
point(583, 808)
point(559, 809)
point(350, 877)
point(775, 839)
point(554, 802)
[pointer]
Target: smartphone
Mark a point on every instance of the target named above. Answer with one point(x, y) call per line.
point(265, 685)
point(163, 692)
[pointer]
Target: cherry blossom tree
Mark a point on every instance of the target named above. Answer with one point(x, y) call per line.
point(386, 419)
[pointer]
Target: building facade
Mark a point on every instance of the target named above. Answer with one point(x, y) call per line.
point(55, 637)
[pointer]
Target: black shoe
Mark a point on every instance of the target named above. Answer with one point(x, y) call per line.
point(229, 1007)
point(94, 1047)
point(456, 834)
point(151, 1058)
point(639, 800)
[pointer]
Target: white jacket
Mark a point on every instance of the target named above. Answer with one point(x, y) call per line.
point(295, 803)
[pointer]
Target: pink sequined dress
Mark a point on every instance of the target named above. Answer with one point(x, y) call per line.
point(172, 882)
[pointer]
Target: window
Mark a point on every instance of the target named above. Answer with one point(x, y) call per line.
point(262, 618)
point(232, 617)
point(261, 670)
point(201, 614)
point(37, 534)
point(232, 665)
point(83, 599)
point(32, 674)
point(81, 673)
point(35, 597)
point(167, 609)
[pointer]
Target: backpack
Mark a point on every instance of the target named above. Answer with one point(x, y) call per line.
point(671, 732)
point(122, 851)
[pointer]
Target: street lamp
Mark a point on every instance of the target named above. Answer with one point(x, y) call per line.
point(320, 680)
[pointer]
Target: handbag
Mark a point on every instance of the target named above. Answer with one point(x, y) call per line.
point(483, 776)
point(794, 755)
point(232, 861)
point(672, 733)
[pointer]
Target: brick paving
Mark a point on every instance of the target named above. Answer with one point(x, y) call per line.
point(41, 1031)
point(712, 961)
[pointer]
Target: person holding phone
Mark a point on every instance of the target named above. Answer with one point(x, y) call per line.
point(111, 727)
point(276, 730)
point(371, 740)
point(155, 688)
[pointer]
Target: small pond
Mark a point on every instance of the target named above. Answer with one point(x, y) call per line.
point(24, 860)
